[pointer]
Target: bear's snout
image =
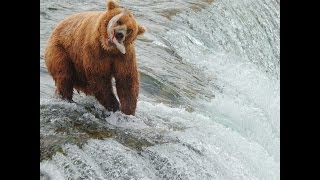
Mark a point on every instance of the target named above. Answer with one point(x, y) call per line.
point(119, 36)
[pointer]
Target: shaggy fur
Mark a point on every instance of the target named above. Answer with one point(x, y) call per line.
point(79, 56)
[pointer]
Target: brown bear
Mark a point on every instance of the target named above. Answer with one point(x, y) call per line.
point(87, 49)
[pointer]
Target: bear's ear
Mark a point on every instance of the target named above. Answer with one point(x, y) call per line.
point(141, 30)
point(111, 4)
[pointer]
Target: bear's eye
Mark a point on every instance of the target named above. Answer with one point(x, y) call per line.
point(119, 22)
point(129, 31)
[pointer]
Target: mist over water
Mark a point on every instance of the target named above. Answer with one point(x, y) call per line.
point(209, 102)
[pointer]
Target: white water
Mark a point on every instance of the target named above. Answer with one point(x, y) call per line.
point(209, 101)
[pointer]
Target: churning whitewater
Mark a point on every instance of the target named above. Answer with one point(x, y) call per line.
point(209, 102)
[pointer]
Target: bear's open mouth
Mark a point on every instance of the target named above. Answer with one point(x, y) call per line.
point(118, 42)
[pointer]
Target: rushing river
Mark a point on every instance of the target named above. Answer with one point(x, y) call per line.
point(209, 102)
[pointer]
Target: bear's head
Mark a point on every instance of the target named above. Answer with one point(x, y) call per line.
point(119, 28)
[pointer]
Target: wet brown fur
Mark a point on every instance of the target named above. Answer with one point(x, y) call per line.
point(78, 56)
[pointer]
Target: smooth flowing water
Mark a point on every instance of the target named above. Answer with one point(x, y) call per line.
point(209, 102)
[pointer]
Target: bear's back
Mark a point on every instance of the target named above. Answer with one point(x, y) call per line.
point(73, 30)
point(75, 33)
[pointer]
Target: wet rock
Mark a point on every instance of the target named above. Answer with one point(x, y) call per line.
point(62, 123)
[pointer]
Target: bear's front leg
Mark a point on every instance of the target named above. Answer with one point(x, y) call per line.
point(102, 90)
point(128, 90)
point(108, 100)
